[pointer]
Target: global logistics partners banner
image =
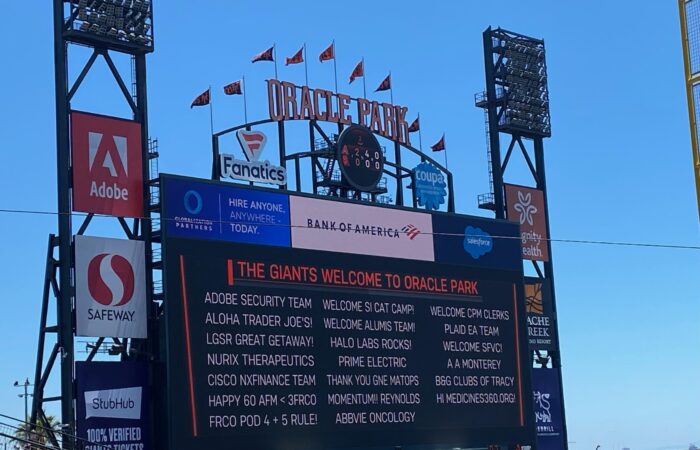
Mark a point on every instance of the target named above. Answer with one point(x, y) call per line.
point(541, 320)
point(225, 212)
point(548, 409)
point(526, 206)
point(110, 287)
point(199, 209)
point(112, 405)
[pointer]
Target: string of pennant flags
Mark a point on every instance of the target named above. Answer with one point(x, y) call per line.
point(269, 55)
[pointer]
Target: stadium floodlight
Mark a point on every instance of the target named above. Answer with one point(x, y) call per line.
point(127, 24)
point(522, 74)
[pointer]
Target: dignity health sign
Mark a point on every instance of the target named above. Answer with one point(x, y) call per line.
point(526, 206)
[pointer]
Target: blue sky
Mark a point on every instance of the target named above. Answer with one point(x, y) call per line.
point(618, 165)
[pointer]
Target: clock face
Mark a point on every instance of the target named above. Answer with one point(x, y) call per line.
point(360, 157)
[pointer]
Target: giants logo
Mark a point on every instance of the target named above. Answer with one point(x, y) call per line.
point(110, 287)
point(110, 279)
point(107, 177)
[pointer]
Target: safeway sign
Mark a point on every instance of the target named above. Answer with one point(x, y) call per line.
point(107, 166)
point(110, 287)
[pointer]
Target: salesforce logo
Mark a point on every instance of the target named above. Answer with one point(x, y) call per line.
point(193, 202)
point(477, 242)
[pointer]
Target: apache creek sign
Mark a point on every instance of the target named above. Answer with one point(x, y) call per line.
point(287, 101)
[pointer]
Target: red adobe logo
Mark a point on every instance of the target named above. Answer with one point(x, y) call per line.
point(107, 177)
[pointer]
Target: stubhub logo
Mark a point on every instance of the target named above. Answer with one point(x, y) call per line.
point(123, 403)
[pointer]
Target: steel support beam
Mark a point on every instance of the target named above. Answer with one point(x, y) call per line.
point(494, 138)
point(64, 300)
point(549, 275)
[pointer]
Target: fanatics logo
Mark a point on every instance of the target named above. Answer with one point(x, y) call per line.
point(110, 279)
point(252, 143)
point(107, 166)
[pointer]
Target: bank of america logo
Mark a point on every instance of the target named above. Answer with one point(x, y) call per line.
point(411, 231)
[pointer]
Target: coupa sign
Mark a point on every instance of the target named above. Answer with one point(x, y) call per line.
point(252, 143)
point(429, 184)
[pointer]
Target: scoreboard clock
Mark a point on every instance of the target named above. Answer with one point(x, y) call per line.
point(360, 157)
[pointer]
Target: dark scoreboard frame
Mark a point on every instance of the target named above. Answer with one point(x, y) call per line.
point(176, 429)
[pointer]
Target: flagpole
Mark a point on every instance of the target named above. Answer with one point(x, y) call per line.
point(364, 73)
point(274, 57)
point(420, 137)
point(391, 89)
point(245, 104)
point(445, 143)
point(335, 69)
point(211, 111)
point(306, 69)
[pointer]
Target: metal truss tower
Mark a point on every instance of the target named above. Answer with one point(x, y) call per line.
point(106, 27)
point(689, 11)
point(516, 102)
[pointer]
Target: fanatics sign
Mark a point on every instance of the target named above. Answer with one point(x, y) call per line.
point(110, 287)
point(107, 166)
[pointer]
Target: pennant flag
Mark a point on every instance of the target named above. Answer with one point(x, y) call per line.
point(439, 145)
point(415, 125)
point(297, 58)
point(264, 56)
point(234, 88)
point(202, 99)
point(358, 71)
point(328, 53)
point(384, 85)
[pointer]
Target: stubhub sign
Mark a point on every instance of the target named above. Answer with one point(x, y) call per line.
point(112, 405)
point(122, 403)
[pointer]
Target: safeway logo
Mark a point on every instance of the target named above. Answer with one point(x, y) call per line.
point(252, 143)
point(110, 279)
point(110, 287)
point(124, 403)
point(107, 167)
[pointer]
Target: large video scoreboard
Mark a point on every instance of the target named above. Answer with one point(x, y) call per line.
point(295, 322)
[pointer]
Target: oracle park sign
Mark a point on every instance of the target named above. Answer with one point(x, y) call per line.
point(287, 101)
point(295, 322)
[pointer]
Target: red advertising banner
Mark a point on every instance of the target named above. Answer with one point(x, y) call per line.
point(107, 167)
point(526, 206)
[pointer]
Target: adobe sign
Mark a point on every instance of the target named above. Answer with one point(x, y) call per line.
point(107, 167)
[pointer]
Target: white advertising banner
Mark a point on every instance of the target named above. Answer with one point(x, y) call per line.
point(122, 403)
point(110, 287)
point(360, 229)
